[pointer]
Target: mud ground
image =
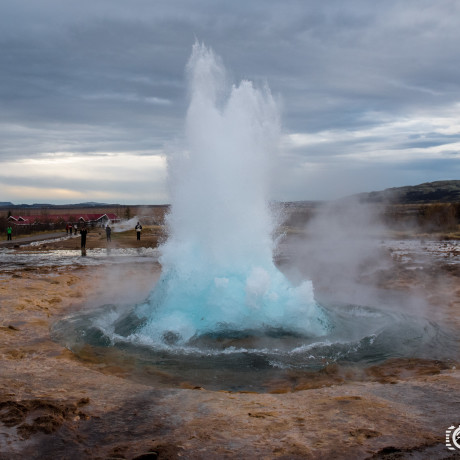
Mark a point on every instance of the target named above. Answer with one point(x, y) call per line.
point(53, 405)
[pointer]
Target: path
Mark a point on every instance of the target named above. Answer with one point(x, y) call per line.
point(30, 239)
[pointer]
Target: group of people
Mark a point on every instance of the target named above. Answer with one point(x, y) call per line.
point(69, 228)
point(108, 233)
point(83, 232)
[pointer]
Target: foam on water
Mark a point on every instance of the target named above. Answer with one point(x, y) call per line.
point(218, 271)
point(250, 359)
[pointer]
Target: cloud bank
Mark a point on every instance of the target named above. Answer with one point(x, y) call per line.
point(92, 95)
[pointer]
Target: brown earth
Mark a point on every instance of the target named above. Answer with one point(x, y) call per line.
point(52, 405)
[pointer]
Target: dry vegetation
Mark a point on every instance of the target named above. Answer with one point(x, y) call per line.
point(434, 220)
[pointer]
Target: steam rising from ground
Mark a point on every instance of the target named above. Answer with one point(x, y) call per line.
point(125, 225)
point(218, 272)
point(344, 242)
point(345, 252)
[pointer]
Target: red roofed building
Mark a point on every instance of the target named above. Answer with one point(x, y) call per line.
point(93, 220)
point(18, 220)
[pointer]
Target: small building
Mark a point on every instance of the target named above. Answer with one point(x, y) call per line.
point(99, 220)
point(92, 220)
point(18, 220)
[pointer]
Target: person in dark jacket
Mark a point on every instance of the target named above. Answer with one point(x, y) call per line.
point(83, 233)
point(108, 232)
point(138, 231)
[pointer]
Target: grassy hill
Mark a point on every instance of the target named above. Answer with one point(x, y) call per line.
point(447, 191)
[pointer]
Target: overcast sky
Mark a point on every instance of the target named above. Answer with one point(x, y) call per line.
point(93, 93)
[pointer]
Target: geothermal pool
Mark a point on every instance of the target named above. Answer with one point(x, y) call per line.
point(358, 336)
point(251, 360)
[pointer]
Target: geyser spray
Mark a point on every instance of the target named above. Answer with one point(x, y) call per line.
point(217, 268)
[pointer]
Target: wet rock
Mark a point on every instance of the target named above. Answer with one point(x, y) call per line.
point(361, 434)
point(38, 415)
point(147, 456)
point(393, 370)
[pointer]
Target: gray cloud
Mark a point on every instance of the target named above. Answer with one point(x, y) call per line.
point(108, 76)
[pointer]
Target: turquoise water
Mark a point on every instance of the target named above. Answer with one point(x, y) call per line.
point(184, 307)
point(248, 359)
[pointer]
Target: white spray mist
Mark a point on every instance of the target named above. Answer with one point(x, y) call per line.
point(218, 272)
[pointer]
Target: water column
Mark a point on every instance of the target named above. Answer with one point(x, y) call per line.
point(218, 273)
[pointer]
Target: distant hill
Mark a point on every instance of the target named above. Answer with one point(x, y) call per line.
point(90, 204)
point(446, 191)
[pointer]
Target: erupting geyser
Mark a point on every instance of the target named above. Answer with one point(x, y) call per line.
point(222, 315)
point(218, 273)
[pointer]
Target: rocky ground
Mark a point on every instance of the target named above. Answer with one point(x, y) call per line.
point(53, 405)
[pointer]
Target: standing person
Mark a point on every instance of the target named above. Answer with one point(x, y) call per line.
point(108, 232)
point(9, 232)
point(70, 229)
point(138, 230)
point(83, 233)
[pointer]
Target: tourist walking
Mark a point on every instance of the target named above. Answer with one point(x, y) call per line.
point(138, 231)
point(108, 232)
point(83, 233)
point(9, 232)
